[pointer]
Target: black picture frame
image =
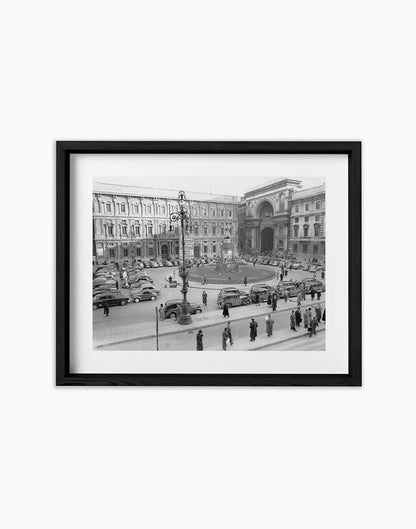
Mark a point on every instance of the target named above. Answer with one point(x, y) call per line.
point(64, 149)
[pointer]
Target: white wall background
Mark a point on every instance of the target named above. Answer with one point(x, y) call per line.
point(207, 458)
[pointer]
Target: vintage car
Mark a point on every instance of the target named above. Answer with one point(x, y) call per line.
point(233, 299)
point(287, 286)
point(262, 290)
point(171, 309)
point(313, 284)
point(111, 299)
point(144, 294)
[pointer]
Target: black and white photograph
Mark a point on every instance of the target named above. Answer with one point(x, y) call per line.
point(209, 264)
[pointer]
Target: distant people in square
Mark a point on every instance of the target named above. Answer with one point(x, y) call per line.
point(245, 281)
point(306, 319)
point(199, 343)
point(161, 312)
point(312, 293)
point(229, 333)
point(312, 327)
point(318, 313)
point(274, 302)
point(286, 272)
point(298, 317)
point(224, 339)
point(225, 311)
point(253, 329)
point(324, 315)
point(309, 318)
point(318, 294)
point(322, 275)
point(269, 325)
point(204, 298)
point(257, 299)
point(269, 298)
point(293, 321)
point(106, 310)
point(299, 298)
point(281, 276)
point(285, 295)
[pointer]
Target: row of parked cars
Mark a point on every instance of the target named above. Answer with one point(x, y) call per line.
point(155, 263)
point(285, 263)
point(234, 297)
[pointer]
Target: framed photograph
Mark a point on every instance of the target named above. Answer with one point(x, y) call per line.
point(208, 263)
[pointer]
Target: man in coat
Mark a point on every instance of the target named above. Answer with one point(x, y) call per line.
point(313, 325)
point(204, 298)
point(293, 322)
point(229, 333)
point(298, 317)
point(225, 311)
point(253, 329)
point(318, 312)
point(199, 344)
point(306, 319)
point(274, 302)
point(269, 325)
point(224, 339)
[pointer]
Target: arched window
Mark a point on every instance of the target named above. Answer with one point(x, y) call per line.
point(305, 230)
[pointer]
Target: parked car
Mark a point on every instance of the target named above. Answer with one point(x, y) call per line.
point(171, 308)
point(167, 263)
point(144, 294)
point(305, 267)
point(111, 299)
point(313, 268)
point(288, 286)
point(315, 284)
point(275, 263)
point(262, 290)
point(232, 299)
point(296, 266)
point(104, 288)
point(228, 290)
point(140, 284)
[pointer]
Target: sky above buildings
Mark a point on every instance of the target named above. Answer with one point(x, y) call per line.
point(236, 186)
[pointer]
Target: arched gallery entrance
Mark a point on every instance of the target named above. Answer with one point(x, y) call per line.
point(267, 240)
point(164, 251)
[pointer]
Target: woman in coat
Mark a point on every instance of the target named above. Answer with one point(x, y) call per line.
point(293, 322)
point(199, 344)
point(225, 312)
point(306, 319)
point(204, 298)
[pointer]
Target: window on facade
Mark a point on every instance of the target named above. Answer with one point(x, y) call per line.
point(163, 210)
point(125, 252)
point(296, 209)
point(315, 248)
point(108, 208)
point(111, 252)
point(305, 230)
point(110, 229)
point(231, 231)
point(222, 231)
point(295, 247)
point(229, 213)
point(213, 212)
point(205, 248)
point(222, 213)
point(304, 248)
point(137, 229)
point(317, 205)
point(162, 228)
point(196, 230)
point(306, 207)
point(316, 230)
point(149, 231)
point(214, 248)
point(317, 218)
point(150, 250)
point(296, 230)
point(214, 230)
point(296, 220)
point(136, 208)
point(138, 252)
point(124, 230)
point(149, 209)
point(123, 208)
point(307, 218)
point(205, 230)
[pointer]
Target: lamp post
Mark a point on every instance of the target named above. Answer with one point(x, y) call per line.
point(182, 218)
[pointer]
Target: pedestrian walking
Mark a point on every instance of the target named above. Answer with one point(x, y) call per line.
point(274, 302)
point(293, 321)
point(318, 313)
point(161, 312)
point(254, 263)
point(257, 299)
point(312, 293)
point(299, 298)
point(245, 281)
point(229, 333)
point(106, 310)
point(199, 344)
point(306, 319)
point(324, 315)
point(322, 275)
point(281, 276)
point(313, 325)
point(286, 272)
point(253, 329)
point(298, 317)
point(269, 298)
point(269, 325)
point(309, 318)
point(318, 294)
point(205, 280)
point(224, 338)
point(204, 298)
point(303, 291)
point(225, 311)
point(285, 295)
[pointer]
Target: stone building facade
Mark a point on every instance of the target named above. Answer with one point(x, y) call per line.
point(132, 222)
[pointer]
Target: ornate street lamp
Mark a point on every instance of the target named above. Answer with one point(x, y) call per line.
point(183, 219)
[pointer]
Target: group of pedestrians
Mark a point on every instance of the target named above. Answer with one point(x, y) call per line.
point(311, 320)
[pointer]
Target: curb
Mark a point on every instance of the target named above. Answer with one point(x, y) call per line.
point(214, 324)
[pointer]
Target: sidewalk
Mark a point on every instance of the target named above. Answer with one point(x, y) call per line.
point(104, 336)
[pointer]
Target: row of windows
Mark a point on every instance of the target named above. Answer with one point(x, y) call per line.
point(160, 209)
point(306, 219)
point(136, 230)
point(316, 229)
point(307, 206)
point(315, 248)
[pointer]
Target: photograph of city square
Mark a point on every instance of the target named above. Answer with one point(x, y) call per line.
point(183, 267)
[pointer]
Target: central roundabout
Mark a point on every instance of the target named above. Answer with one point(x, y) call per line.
point(230, 273)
